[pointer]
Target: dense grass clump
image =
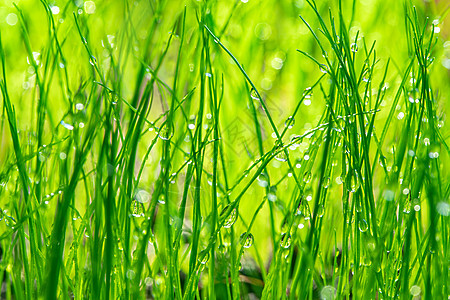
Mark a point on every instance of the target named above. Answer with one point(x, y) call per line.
point(272, 149)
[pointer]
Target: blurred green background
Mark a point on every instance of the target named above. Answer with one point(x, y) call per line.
point(263, 35)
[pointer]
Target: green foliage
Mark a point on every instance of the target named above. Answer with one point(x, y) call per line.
point(224, 149)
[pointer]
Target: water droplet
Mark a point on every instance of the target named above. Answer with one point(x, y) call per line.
point(89, 7)
point(221, 248)
point(320, 211)
point(382, 161)
point(362, 225)
point(142, 196)
point(111, 39)
point(323, 68)
point(443, 208)
point(79, 106)
point(433, 154)
point(290, 121)
point(161, 199)
point(231, 219)
point(272, 194)
point(254, 94)
point(354, 47)
point(307, 213)
point(263, 180)
point(407, 207)
point(92, 60)
point(285, 240)
point(307, 177)
point(203, 257)
point(148, 281)
point(298, 212)
point(367, 262)
point(67, 126)
point(285, 226)
point(131, 274)
point(307, 92)
point(165, 132)
point(358, 206)
point(355, 182)
point(281, 156)
point(388, 195)
point(10, 221)
point(328, 292)
point(248, 241)
point(263, 31)
point(415, 290)
point(326, 183)
point(137, 209)
point(11, 19)
point(277, 63)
